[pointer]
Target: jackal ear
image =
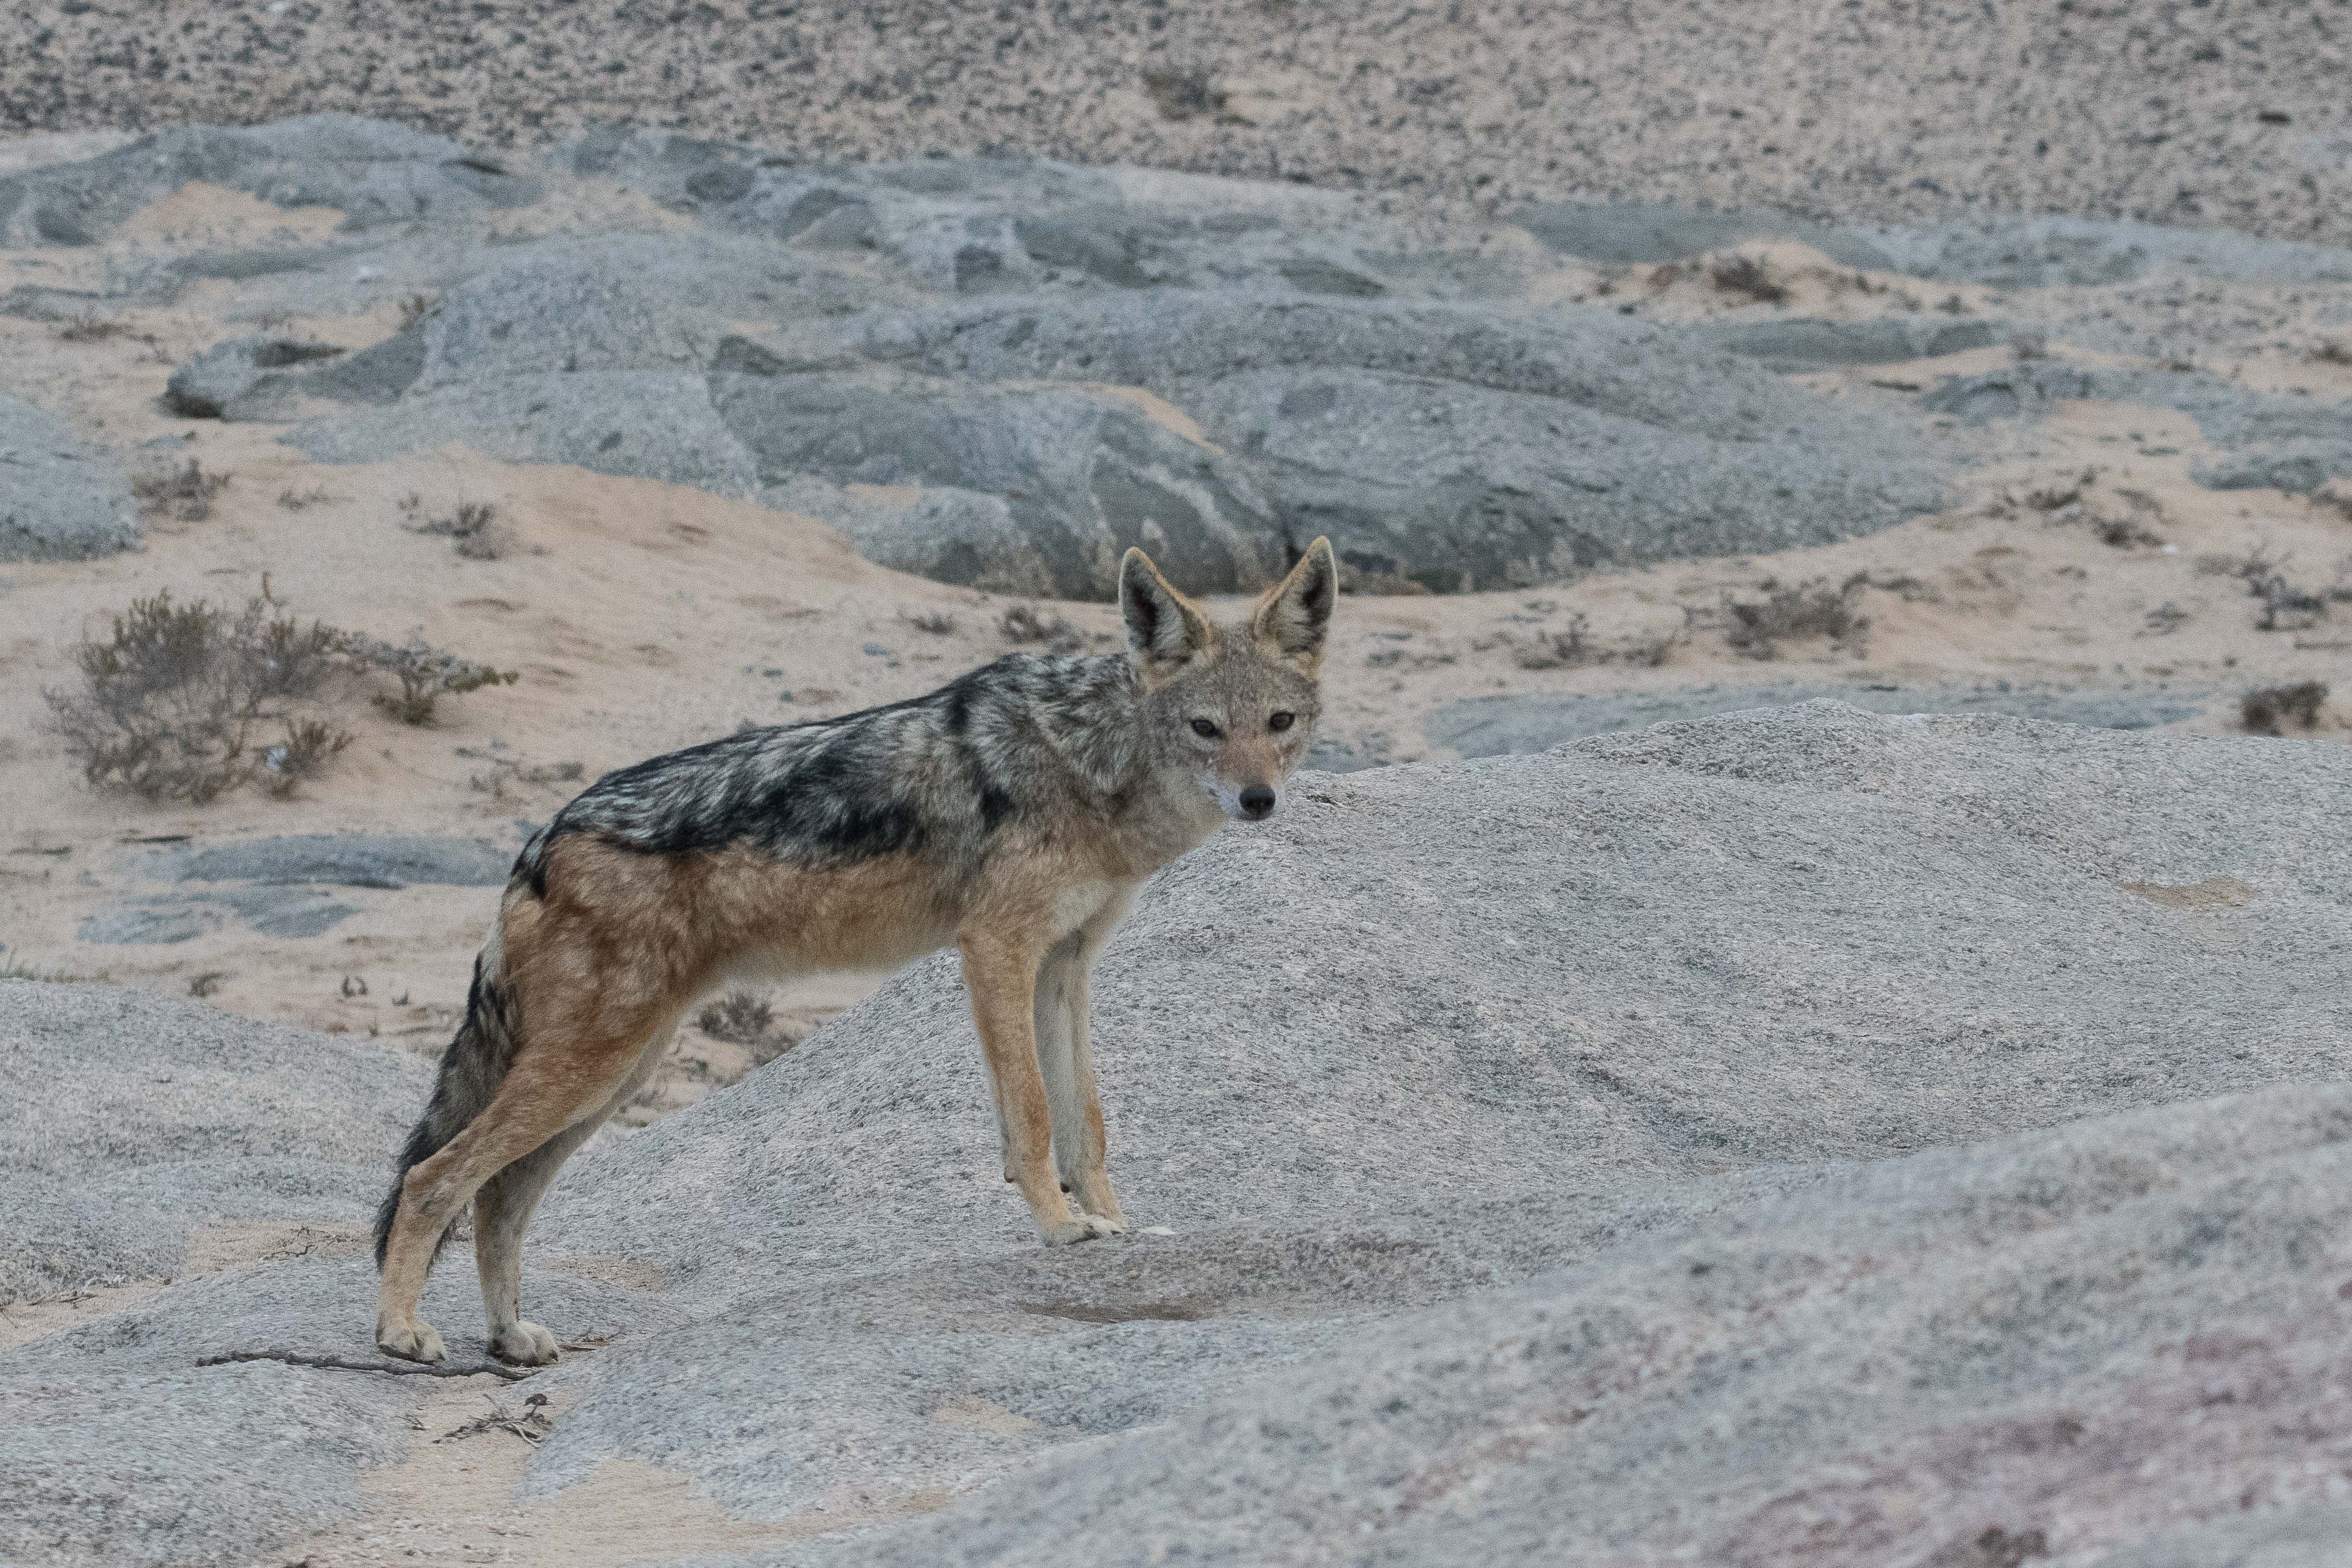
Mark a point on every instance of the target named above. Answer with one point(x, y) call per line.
point(1163, 627)
point(1292, 618)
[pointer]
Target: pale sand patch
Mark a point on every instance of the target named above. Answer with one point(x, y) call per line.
point(202, 215)
point(238, 1242)
point(211, 1250)
point(22, 1323)
point(626, 1272)
point(456, 1499)
point(981, 1416)
point(1158, 410)
point(2212, 894)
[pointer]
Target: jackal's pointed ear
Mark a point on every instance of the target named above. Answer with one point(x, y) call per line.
point(1292, 618)
point(1163, 627)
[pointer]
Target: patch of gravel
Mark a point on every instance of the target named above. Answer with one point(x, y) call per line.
point(2168, 111)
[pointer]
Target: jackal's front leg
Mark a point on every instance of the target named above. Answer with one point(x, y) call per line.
point(1000, 974)
point(1065, 1051)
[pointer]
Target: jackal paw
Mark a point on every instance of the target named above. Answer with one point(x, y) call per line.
point(525, 1345)
point(411, 1341)
point(1084, 1227)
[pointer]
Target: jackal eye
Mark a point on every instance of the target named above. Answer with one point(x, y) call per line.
point(1205, 729)
point(1278, 722)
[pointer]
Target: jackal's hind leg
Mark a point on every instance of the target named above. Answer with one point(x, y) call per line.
point(502, 1211)
point(549, 1090)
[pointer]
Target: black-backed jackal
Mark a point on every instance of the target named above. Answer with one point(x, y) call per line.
point(1013, 812)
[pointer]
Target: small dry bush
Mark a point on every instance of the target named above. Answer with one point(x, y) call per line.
point(1183, 94)
point(739, 1017)
point(938, 623)
point(2333, 351)
point(1026, 624)
point(424, 673)
point(91, 328)
point(1747, 276)
point(175, 699)
point(414, 308)
point(2270, 709)
point(2285, 607)
point(1571, 647)
point(187, 701)
point(18, 969)
point(185, 492)
point(475, 527)
point(317, 495)
point(744, 1018)
point(1813, 609)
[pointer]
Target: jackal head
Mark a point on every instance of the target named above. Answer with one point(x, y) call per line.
point(1237, 704)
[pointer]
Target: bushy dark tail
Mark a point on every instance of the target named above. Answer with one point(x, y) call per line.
point(471, 1070)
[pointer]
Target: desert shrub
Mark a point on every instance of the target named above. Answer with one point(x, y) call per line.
point(1811, 610)
point(18, 969)
point(174, 698)
point(414, 308)
point(317, 495)
point(1183, 93)
point(1747, 276)
point(1567, 648)
point(1026, 624)
point(475, 525)
point(186, 701)
point(2285, 607)
point(425, 674)
point(1559, 649)
point(309, 746)
point(90, 328)
point(185, 492)
point(744, 1018)
point(938, 623)
point(739, 1017)
point(2270, 709)
point(2333, 351)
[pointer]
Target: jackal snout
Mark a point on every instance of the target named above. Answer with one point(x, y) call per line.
point(1246, 772)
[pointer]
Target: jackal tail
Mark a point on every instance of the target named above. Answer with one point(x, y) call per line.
point(471, 1070)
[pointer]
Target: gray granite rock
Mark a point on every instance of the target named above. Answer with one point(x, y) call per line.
point(60, 499)
point(138, 1121)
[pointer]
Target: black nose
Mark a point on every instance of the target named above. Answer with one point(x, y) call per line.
point(1257, 801)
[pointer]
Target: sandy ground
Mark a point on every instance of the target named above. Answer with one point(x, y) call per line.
point(2178, 111)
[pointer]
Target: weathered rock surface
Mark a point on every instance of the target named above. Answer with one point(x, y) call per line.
point(2270, 440)
point(374, 173)
point(1608, 1124)
point(138, 1121)
point(1801, 343)
point(1455, 447)
point(59, 500)
point(252, 377)
point(1003, 371)
point(1537, 721)
point(338, 859)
